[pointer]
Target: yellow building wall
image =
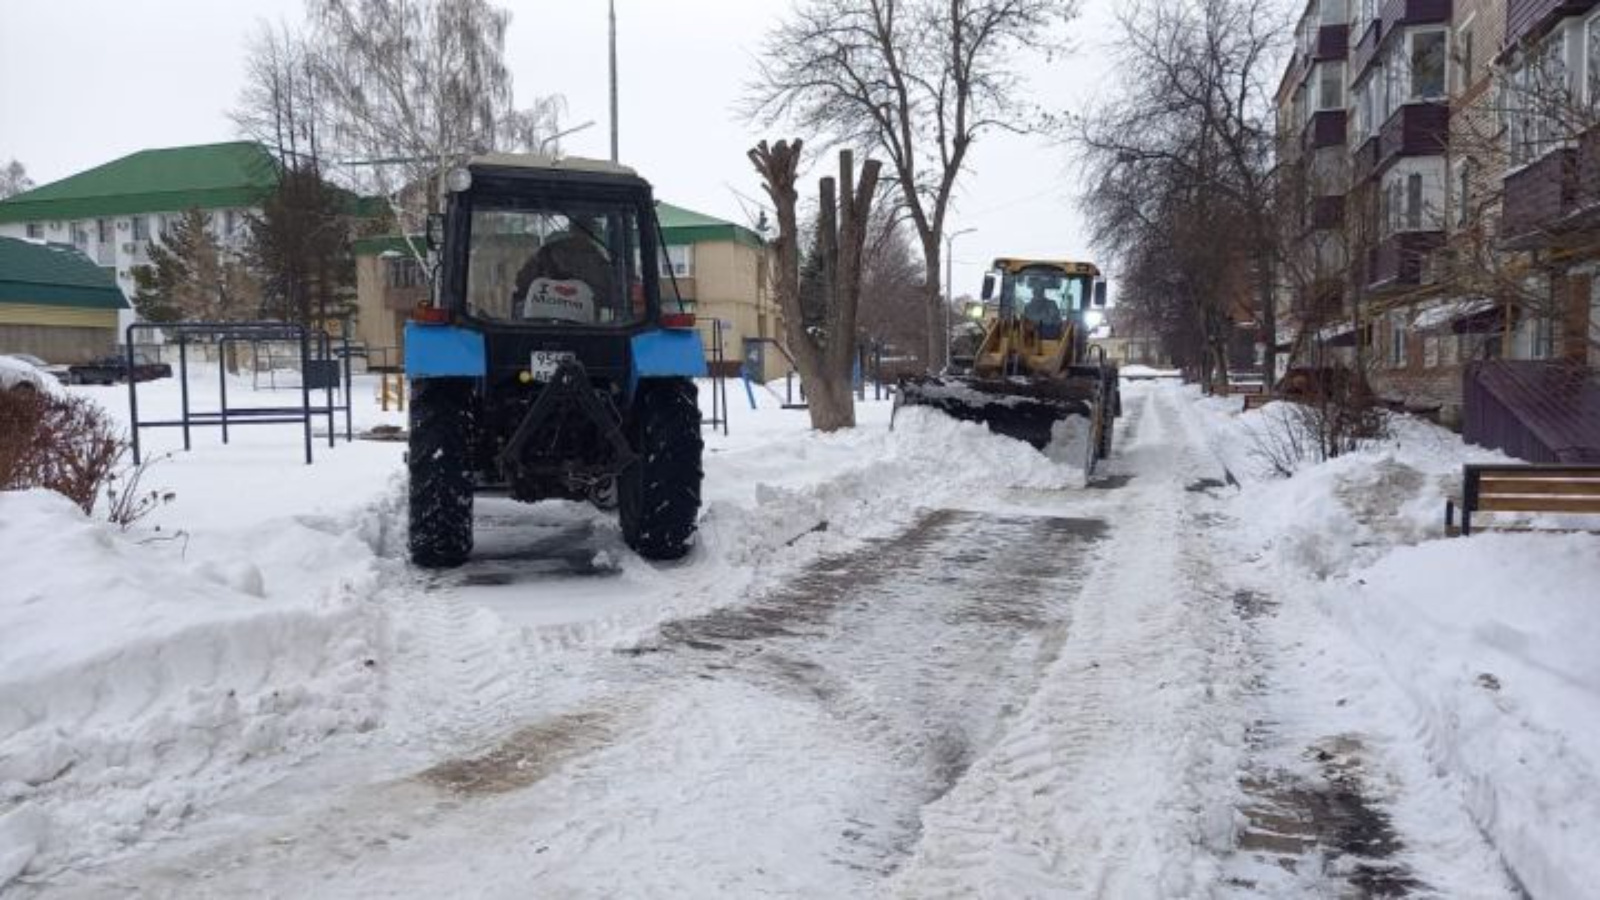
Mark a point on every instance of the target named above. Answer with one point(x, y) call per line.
point(56, 316)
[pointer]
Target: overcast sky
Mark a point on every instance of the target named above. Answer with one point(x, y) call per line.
point(83, 82)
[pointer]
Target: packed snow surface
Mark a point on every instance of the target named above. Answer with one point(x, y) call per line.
point(920, 662)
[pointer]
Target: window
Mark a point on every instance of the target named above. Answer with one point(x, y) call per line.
point(80, 234)
point(169, 225)
point(1427, 57)
point(1430, 351)
point(1463, 193)
point(1464, 57)
point(102, 230)
point(1591, 53)
point(1333, 12)
point(403, 272)
point(572, 260)
point(1330, 86)
point(1414, 201)
point(1397, 340)
point(230, 222)
point(141, 228)
point(677, 260)
point(1541, 338)
point(36, 231)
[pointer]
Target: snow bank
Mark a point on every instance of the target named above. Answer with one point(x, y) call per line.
point(855, 483)
point(1483, 647)
point(1493, 641)
point(135, 682)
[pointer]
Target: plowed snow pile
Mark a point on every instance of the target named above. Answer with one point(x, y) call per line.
point(1482, 648)
point(141, 682)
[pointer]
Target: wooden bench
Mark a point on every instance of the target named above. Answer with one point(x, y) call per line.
point(1257, 400)
point(1565, 489)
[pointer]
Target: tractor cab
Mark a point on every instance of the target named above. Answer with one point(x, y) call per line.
point(554, 353)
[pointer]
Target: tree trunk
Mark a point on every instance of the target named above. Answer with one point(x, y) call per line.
point(825, 355)
point(938, 331)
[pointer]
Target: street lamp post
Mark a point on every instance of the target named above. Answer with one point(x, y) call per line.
point(949, 289)
point(543, 142)
point(613, 11)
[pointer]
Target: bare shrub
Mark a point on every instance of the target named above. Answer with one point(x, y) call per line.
point(127, 501)
point(1281, 443)
point(1331, 412)
point(64, 444)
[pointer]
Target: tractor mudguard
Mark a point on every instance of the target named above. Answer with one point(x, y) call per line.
point(668, 353)
point(444, 351)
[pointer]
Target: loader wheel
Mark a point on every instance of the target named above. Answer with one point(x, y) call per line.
point(659, 494)
point(440, 513)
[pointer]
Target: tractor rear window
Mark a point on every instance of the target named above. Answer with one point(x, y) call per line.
point(574, 264)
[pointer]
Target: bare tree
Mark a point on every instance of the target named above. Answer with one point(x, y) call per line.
point(1186, 146)
point(919, 80)
point(299, 243)
point(825, 350)
point(413, 87)
point(14, 180)
point(892, 283)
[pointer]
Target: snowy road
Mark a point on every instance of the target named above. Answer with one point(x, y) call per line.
point(1048, 693)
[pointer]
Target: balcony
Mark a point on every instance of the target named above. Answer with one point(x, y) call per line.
point(1326, 129)
point(1415, 129)
point(1397, 262)
point(1364, 161)
point(1394, 14)
point(1529, 18)
point(1327, 213)
point(1537, 198)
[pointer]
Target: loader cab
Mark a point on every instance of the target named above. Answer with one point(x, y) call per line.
point(1057, 298)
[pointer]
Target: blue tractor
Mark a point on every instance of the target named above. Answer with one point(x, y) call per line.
point(552, 362)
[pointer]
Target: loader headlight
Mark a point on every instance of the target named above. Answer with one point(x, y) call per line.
point(1093, 319)
point(458, 180)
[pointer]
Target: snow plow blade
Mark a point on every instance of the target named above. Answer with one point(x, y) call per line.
point(1021, 408)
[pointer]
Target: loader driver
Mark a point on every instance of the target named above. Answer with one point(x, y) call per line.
point(565, 277)
point(1042, 311)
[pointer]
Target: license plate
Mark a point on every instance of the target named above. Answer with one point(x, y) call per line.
point(542, 366)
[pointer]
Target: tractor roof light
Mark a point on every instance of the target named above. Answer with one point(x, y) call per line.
point(430, 315)
point(459, 179)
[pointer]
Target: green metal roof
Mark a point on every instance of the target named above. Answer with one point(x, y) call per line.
point(208, 176)
point(377, 246)
point(685, 226)
point(54, 275)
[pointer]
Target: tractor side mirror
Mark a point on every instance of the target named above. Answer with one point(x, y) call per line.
point(988, 285)
point(435, 230)
point(1099, 293)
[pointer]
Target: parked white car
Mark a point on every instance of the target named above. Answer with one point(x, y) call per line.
point(17, 374)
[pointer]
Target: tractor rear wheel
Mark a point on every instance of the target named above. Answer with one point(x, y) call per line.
point(659, 493)
point(440, 513)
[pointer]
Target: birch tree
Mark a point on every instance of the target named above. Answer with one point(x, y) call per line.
point(414, 87)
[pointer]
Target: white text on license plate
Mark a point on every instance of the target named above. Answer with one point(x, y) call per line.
point(544, 362)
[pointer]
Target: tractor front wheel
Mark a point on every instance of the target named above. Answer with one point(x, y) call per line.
point(659, 493)
point(440, 513)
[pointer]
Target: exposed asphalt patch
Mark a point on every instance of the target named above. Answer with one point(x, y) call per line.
point(523, 758)
point(1328, 820)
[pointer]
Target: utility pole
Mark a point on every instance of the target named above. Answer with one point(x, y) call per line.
point(613, 7)
point(950, 289)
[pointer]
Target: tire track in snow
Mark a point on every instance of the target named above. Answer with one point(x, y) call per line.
point(1114, 780)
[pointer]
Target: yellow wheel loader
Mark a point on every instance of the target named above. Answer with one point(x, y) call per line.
point(1033, 375)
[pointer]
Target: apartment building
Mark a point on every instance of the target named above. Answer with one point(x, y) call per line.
point(1443, 184)
point(113, 212)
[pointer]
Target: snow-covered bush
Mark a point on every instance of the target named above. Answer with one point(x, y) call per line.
point(64, 444)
